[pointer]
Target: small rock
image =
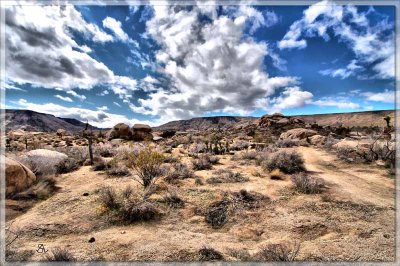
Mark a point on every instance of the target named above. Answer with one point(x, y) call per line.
point(85, 194)
point(91, 240)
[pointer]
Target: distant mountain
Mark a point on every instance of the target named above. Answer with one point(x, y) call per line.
point(205, 123)
point(354, 119)
point(33, 121)
point(367, 118)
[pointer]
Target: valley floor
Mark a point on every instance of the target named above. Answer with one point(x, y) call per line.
point(353, 221)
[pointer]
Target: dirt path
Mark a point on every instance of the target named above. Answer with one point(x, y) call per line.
point(356, 182)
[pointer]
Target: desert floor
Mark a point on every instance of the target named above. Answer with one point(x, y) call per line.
point(354, 220)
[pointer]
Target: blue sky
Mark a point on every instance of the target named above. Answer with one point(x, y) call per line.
point(157, 63)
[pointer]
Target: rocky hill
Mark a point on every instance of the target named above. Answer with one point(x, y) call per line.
point(205, 123)
point(33, 121)
point(354, 119)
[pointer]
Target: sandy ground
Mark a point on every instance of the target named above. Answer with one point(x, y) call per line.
point(354, 220)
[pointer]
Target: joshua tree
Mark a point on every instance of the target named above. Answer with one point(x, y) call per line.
point(387, 119)
point(89, 136)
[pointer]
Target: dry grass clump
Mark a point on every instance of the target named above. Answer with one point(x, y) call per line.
point(288, 162)
point(59, 254)
point(106, 151)
point(276, 174)
point(209, 254)
point(226, 176)
point(204, 162)
point(43, 189)
point(217, 213)
point(278, 252)
point(240, 254)
point(99, 164)
point(128, 206)
point(171, 159)
point(118, 170)
point(179, 171)
point(246, 155)
point(307, 184)
point(285, 143)
point(67, 165)
point(248, 199)
point(173, 200)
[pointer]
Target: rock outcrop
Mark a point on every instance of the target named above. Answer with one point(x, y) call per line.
point(279, 120)
point(120, 131)
point(18, 177)
point(141, 132)
point(298, 134)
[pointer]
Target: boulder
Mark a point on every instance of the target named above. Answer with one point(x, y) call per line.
point(168, 133)
point(120, 131)
point(298, 133)
point(61, 132)
point(352, 144)
point(141, 132)
point(317, 140)
point(18, 177)
point(49, 156)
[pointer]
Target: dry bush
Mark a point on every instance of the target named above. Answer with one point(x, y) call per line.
point(117, 170)
point(285, 143)
point(80, 154)
point(276, 174)
point(173, 200)
point(217, 213)
point(240, 254)
point(199, 181)
point(105, 151)
point(239, 145)
point(134, 210)
point(278, 252)
point(196, 148)
point(247, 199)
point(43, 189)
point(171, 159)
point(108, 198)
point(147, 165)
point(67, 165)
point(307, 184)
point(246, 155)
point(59, 254)
point(99, 164)
point(330, 141)
point(288, 162)
point(180, 171)
point(204, 162)
point(18, 256)
point(226, 176)
point(128, 206)
point(209, 254)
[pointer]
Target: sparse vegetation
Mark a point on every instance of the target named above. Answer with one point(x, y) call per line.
point(288, 162)
point(278, 252)
point(306, 184)
point(67, 165)
point(147, 165)
point(217, 213)
point(59, 254)
point(226, 176)
point(210, 254)
point(204, 162)
point(179, 171)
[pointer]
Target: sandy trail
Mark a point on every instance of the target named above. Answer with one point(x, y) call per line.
point(360, 183)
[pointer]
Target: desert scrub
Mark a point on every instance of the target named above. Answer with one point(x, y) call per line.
point(42, 189)
point(278, 252)
point(209, 254)
point(204, 162)
point(147, 164)
point(127, 206)
point(105, 151)
point(307, 184)
point(115, 169)
point(67, 165)
point(173, 200)
point(99, 164)
point(285, 143)
point(179, 171)
point(246, 155)
point(288, 162)
point(59, 254)
point(226, 176)
point(217, 213)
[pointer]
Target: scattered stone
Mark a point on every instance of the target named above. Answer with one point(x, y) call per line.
point(91, 240)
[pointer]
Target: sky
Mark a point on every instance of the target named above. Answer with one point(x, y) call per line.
point(160, 62)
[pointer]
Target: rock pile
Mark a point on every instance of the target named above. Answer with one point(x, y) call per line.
point(138, 132)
